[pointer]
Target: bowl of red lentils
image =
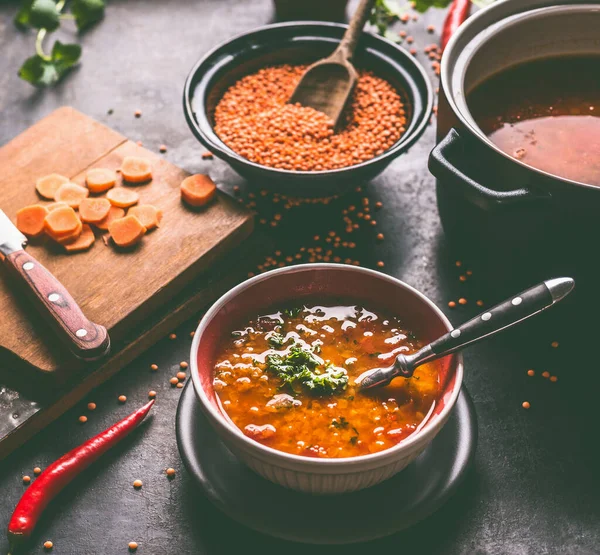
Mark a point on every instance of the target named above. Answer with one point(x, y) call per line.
point(235, 102)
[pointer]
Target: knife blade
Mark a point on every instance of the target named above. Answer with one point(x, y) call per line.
point(85, 339)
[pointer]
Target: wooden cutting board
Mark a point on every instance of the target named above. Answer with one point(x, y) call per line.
point(116, 289)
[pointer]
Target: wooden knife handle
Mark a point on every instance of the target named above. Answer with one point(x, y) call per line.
point(86, 340)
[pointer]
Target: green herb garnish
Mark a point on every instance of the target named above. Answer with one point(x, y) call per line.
point(300, 368)
point(292, 312)
point(342, 423)
point(276, 340)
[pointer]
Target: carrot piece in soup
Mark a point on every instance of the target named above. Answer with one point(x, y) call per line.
point(30, 220)
point(126, 231)
point(123, 198)
point(198, 190)
point(136, 170)
point(83, 242)
point(100, 179)
point(94, 210)
point(71, 194)
point(149, 215)
point(48, 185)
point(114, 213)
point(61, 221)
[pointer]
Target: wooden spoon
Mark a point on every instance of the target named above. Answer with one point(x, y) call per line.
point(327, 84)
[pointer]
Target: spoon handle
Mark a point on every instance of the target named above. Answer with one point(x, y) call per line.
point(355, 27)
point(502, 316)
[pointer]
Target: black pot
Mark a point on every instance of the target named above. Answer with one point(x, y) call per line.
point(487, 200)
point(303, 43)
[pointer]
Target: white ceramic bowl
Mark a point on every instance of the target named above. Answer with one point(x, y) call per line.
point(319, 281)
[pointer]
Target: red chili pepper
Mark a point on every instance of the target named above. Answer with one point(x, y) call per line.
point(50, 482)
point(456, 16)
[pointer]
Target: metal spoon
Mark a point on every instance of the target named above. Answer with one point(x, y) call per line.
point(327, 84)
point(502, 316)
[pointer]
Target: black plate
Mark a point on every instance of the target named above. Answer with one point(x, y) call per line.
point(394, 505)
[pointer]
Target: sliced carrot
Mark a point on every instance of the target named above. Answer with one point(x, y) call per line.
point(71, 194)
point(61, 222)
point(123, 198)
point(48, 185)
point(100, 179)
point(114, 213)
point(126, 231)
point(94, 210)
point(55, 205)
point(198, 190)
point(70, 238)
point(149, 215)
point(30, 220)
point(83, 242)
point(135, 169)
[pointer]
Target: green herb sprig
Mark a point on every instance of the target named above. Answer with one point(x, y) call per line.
point(300, 368)
point(42, 69)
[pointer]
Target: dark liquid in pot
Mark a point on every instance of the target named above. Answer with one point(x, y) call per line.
point(545, 113)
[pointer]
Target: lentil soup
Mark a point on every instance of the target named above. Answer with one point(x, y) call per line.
point(286, 380)
point(254, 119)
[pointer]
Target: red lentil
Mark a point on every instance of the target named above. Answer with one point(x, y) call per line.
point(545, 374)
point(479, 303)
point(526, 404)
point(138, 113)
point(380, 264)
point(132, 546)
point(554, 344)
point(162, 148)
point(122, 398)
point(26, 479)
point(151, 394)
point(462, 300)
point(530, 372)
point(137, 484)
point(254, 119)
point(207, 155)
point(181, 375)
point(452, 304)
point(48, 545)
point(170, 472)
point(553, 379)
point(173, 380)
point(179, 385)
point(172, 336)
point(91, 406)
point(183, 365)
point(154, 367)
point(83, 419)
point(380, 236)
point(37, 471)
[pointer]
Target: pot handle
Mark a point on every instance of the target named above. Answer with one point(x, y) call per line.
point(440, 165)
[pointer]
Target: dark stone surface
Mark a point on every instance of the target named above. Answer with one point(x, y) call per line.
point(533, 488)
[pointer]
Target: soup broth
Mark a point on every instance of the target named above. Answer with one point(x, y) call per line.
point(286, 380)
point(545, 113)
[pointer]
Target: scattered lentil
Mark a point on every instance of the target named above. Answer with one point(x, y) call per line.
point(531, 372)
point(526, 404)
point(137, 484)
point(179, 385)
point(184, 364)
point(151, 394)
point(83, 419)
point(162, 148)
point(380, 236)
point(458, 263)
point(37, 471)
point(431, 28)
point(479, 303)
point(545, 374)
point(462, 301)
point(132, 546)
point(122, 398)
point(554, 344)
point(173, 380)
point(207, 155)
point(254, 119)
point(553, 378)
point(26, 479)
point(170, 472)
point(181, 376)
point(172, 336)
point(91, 406)
point(452, 304)
point(138, 113)
point(463, 278)
point(48, 545)
point(380, 264)
point(154, 367)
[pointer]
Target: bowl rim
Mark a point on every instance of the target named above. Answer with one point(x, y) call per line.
point(405, 141)
point(426, 433)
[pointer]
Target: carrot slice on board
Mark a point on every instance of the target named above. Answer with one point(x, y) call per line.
point(149, 215)
point(55, 205)
point(94, 210)
point(30, 220)
point(71, 194)
point(100, 179)
point(126, 231)
point(135, 169)
point(114, 213)
point(61, 221)
point(123, 198)
point(48, 185)
point(83, 242)
point(198, 190)
point(70, 238)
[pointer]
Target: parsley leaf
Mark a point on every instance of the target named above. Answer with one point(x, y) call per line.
point(342, 423)
point(424, 5)
point(87, 12)
point(44, 14)
point(300, 368)
point(276, 340)
point(42, 72)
